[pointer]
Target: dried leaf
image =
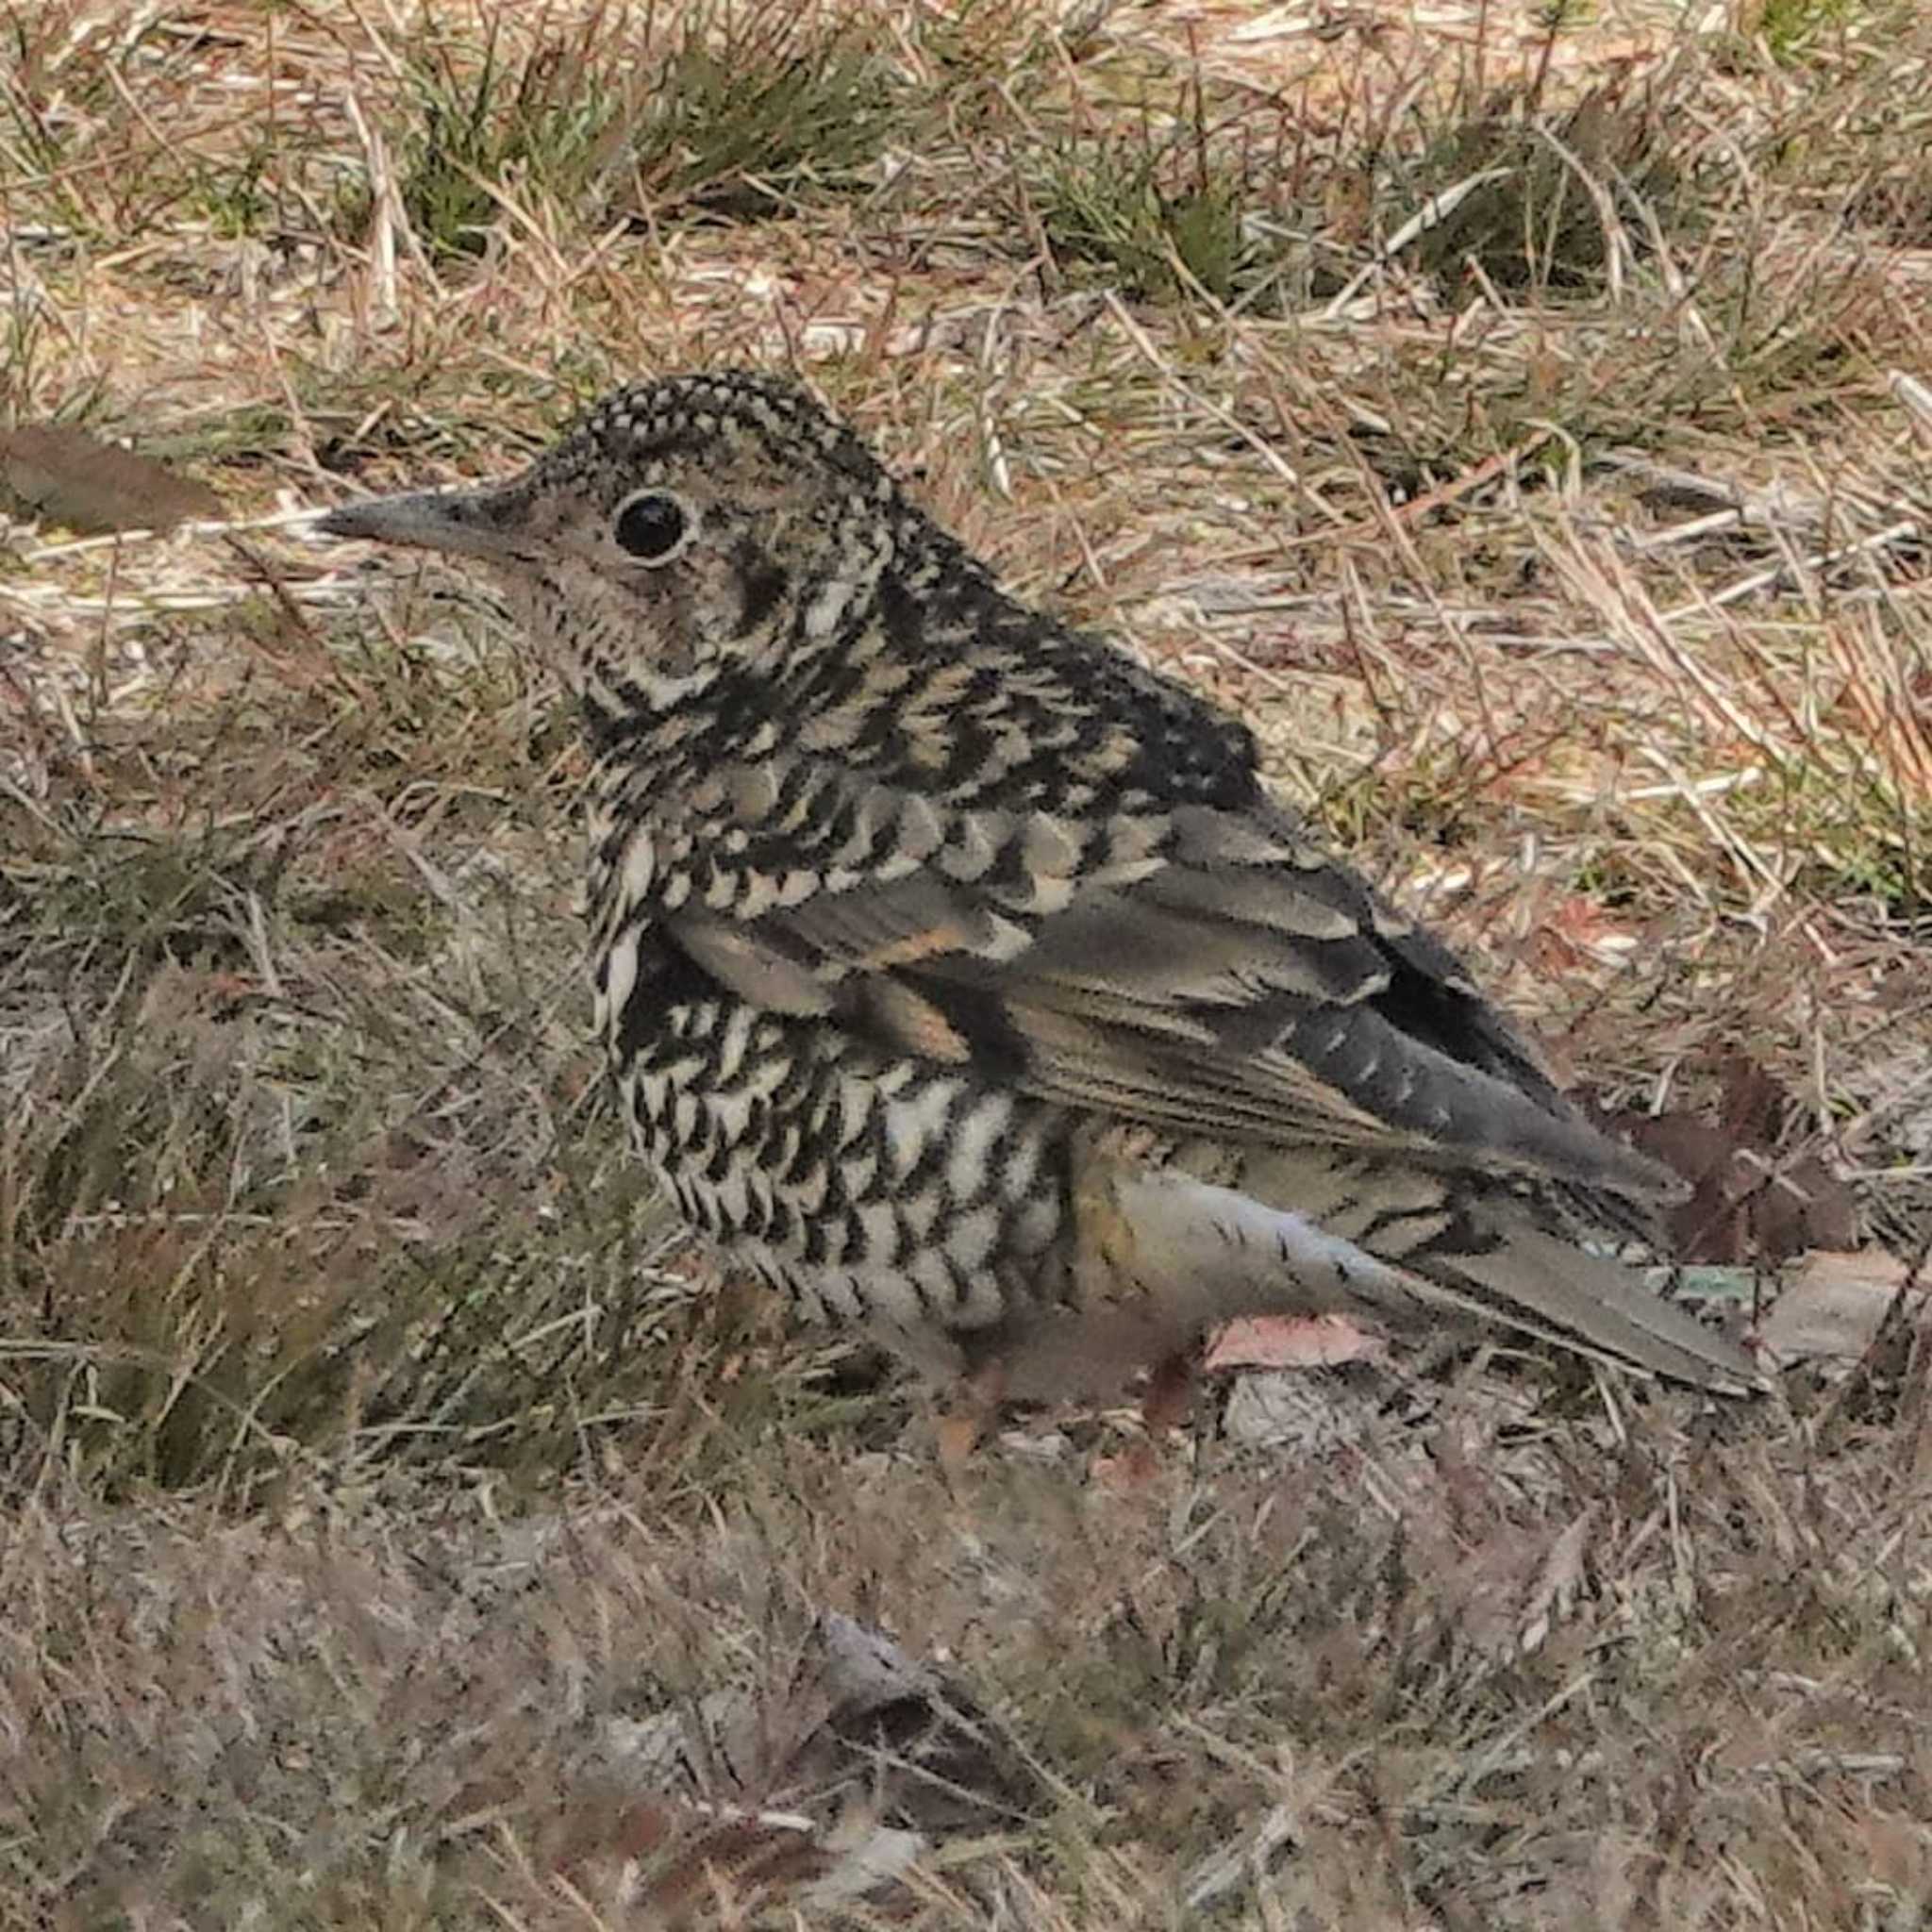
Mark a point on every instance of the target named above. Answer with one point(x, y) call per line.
point(1748, 1201)
point(1755, 1106)
point(1290, 1342)
point(1836, 1305)
point(859, 1714)
point(1558, 1583)
point(67, 476)
point(865, 1860)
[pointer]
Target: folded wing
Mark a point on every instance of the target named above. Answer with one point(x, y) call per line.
point(1196, 971)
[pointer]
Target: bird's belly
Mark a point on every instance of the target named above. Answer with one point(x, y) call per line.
point(870, 1190)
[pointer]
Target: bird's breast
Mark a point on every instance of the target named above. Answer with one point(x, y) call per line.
point(872, 1187)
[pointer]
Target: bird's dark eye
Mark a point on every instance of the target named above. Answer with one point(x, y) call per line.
point(653, 524)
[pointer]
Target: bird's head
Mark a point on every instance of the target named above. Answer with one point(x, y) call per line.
point(687, 525)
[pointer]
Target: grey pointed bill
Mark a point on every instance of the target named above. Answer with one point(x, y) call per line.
point(459, 523)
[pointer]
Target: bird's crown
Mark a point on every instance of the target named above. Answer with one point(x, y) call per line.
point(648, 423)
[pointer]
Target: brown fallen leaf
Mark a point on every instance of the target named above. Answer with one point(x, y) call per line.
point(1558, 1583)
point(1290, 1342)
point(672, 1857)
point(67, 476)
point(1835, 1304)
point(859, 1715)
point(1749, 1201)
point(819, 1796)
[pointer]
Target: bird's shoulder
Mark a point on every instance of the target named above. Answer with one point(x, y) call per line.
point(951, 684)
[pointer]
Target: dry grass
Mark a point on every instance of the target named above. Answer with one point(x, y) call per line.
point(1530, 423)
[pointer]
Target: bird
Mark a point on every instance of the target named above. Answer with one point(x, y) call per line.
point(959, 977)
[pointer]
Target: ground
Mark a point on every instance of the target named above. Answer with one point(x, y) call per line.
point(1526, 419)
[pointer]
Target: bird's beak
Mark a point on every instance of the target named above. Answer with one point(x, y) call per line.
point(459, 523)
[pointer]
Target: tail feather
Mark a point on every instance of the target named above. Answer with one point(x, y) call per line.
point(1541, 1284)
point(1205, 1253)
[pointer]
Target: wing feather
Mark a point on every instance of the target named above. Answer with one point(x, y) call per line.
point(1201, 972)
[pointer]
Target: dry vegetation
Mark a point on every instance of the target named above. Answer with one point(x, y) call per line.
point(1530, 421)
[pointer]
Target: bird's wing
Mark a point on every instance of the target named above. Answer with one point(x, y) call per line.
point(1198, 971)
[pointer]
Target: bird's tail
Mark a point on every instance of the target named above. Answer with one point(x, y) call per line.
point(1402, 1250)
